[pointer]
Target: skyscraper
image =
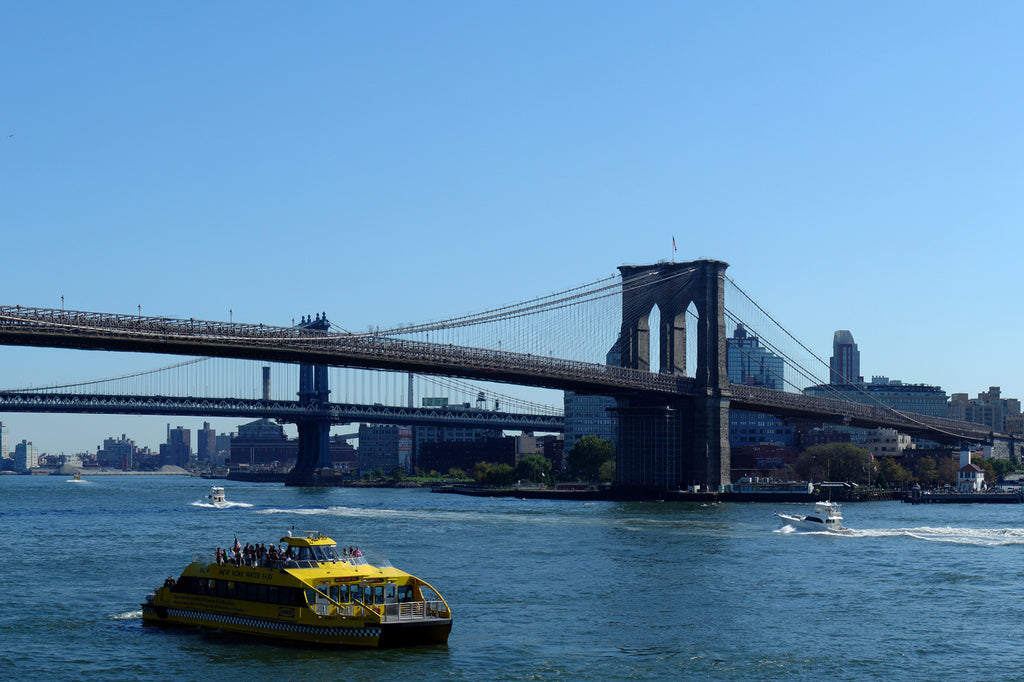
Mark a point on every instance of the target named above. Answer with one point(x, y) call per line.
point(749, 363)
point(844, 365)
point(26, 456)
point(206, 443)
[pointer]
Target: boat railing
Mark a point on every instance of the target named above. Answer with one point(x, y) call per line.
point(415, 610)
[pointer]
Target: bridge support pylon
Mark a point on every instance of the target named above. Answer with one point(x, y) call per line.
point(315, 430)
point(672, 444)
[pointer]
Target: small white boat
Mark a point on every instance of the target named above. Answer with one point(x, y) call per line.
point(825, 517)
point(217, 495)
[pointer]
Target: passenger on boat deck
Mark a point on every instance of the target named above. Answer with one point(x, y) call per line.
point(358, 553)
point(219, 555)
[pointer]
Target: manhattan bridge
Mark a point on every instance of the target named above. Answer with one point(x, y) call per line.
point(651, 337)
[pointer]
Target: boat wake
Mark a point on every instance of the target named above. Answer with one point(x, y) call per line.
point(980, 537)
point(792, 530)
point(220, 505)
point(436, 514)
point(127, 615)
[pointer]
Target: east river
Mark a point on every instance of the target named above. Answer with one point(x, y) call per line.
point(540, 590)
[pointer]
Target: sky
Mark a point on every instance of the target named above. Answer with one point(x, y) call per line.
point(859, 166)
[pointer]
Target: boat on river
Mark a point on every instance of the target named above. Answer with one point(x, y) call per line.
point(216, 495)
point(307, 594)
point(824, 517)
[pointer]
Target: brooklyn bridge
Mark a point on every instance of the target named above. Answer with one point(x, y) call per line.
point(664, 364)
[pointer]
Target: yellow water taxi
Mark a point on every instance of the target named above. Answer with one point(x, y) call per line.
point(309, 593)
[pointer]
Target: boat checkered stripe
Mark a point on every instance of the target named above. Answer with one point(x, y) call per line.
point(265, 624)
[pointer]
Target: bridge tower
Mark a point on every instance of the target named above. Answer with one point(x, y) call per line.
point(670, 444)
point(314, 430)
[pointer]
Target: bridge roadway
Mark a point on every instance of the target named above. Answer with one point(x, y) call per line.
point(47, 327)
point(284, 410)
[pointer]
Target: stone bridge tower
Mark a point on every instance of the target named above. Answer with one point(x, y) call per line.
point(671, 444)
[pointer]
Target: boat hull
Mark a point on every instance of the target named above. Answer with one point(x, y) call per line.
point(816, 527)
point(360, 635)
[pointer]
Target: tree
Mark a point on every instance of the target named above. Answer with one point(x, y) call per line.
point(990, 470)
point(891, 473)
point(927, 474)
point(533, 468)
point(587, 456)
point(493, 474)
point(948, 470)
point(834, 462)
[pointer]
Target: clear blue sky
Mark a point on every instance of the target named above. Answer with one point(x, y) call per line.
point(858, 165)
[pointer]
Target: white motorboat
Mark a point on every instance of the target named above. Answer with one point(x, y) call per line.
point(216, 495)
point(825, 517)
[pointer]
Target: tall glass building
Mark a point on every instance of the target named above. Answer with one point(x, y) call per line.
point(844, 365)
point(751, 364)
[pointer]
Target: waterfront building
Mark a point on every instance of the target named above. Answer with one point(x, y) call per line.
point(844, 365)
point(262, 444)
point(5, 445)
point(343, 454)
point(177, 451)
point(385, 447)
point(887, 443)
point(445, 434)
point(997, 413)
point(206, 443)
point(222, 449)
point(588, 415)
point(442, 457)
point(885, 392)
point(26, 456)
point(970, 477)
point(750, 364)
point(118, 453)
point(553, 448)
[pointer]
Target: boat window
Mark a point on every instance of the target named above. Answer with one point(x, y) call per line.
point(405, 593)
point(390, 595)
point(272, 594)
point(331, 553)
point(291, 596)
point(261, 594)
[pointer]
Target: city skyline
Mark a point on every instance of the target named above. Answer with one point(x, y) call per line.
point(393, 164)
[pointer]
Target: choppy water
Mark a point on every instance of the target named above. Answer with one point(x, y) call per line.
point(540, 590)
